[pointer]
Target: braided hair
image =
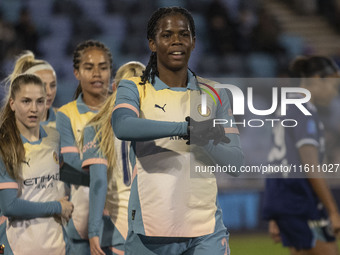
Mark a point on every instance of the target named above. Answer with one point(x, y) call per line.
point(79, 51)
point(151, 68)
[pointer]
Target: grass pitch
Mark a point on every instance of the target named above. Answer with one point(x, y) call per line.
point(256, 244)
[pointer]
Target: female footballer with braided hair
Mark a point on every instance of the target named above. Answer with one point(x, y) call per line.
point(171, 211)
point(29, 173)
point(107, 159)
point(92, 63)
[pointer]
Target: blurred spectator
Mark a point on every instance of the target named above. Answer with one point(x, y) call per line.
point(67, 7)
point(266, 34)
point(305, 7)
point(115, 6)
point(221, 29)
point(27, 34)
point(7, 43)
point(325, 7)
point(331, 10)
point(245, 26)
point(83, 27)
point(135, 29)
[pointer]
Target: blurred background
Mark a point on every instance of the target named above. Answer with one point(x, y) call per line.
point(235, 38)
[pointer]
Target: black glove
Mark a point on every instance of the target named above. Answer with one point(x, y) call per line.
point(200, 132)
point(71, 175)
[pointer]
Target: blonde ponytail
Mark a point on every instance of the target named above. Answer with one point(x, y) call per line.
point(24, 62)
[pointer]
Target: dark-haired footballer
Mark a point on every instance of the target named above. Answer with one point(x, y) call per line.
point(92, 64)
point(171, 212)
point(301, 211)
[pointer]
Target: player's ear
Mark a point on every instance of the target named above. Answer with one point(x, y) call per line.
point(193, 43)
point(11, 104)
point(152, 45)
point(114, 86)
point(76, 74)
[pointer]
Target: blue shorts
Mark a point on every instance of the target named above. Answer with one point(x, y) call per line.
point(301, 233)
point(216, 243)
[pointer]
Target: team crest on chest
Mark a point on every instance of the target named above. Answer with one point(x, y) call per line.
point(199, 109)
point(55, 157)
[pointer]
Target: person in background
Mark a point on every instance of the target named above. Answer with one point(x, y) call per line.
point(92, 63)
point(28, 152)
point(302, 212)
point(26, 31)
point(107, 159)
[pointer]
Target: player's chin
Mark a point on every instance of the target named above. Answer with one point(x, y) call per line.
point(32, 124)
point(177, 66)
point(99, 91)
point(178, 63)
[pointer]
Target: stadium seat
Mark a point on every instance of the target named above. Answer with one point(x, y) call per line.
point(166, 3)
point(11, 9)
point(293, 44)
point(93, 8)
point(261, 65)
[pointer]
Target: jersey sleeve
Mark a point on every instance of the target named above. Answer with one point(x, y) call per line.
point(96, 163)
point(98, 189)
point(129, 127)
point(91, 150)
point(227, 153)
point(68, 145)
point(306, 131)
point(6, 182)
point(71, 170)
point(127, 95)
